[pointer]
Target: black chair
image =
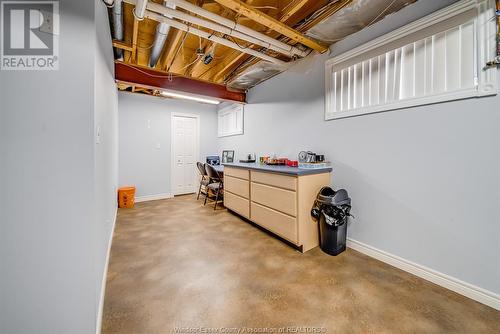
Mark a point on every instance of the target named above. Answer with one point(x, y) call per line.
point(216, 184)
point(204, 181)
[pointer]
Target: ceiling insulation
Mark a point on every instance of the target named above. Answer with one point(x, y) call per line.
point(350, 19)
point(254, 75)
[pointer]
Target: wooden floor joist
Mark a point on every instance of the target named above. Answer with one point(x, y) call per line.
point(287, 17)
point(121, 45)
point(270, 22)
point(135, 34)
point(332, 9)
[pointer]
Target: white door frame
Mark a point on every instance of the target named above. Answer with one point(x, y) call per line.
point(197, 141)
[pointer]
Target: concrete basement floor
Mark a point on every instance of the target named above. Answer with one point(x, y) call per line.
point(179, 267)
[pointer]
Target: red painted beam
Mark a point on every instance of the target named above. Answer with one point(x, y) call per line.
point(153, 79)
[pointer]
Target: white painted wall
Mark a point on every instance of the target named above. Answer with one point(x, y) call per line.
point(141, 163)
point(424, 181)
point(106, 149)
point(56, 206)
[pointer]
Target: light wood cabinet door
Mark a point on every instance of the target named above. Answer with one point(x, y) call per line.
point(276, 222)
point(237, 172)
point(276, 180)
point(275, 198)
point(237, 204)
point(237, 186)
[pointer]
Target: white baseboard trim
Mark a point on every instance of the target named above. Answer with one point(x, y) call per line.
point(153, 197)
point(468, 290)
point(100, 306)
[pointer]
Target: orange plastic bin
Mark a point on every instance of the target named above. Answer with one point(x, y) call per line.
point(126, 197)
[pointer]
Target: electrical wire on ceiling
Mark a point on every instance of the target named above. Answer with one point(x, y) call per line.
point(381, 13)
point(169, 75)
point(197, 58)
point(235, 42)
point(177, 52)
point(316, 14)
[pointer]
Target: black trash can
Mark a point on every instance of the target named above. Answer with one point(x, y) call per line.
point(331, 210)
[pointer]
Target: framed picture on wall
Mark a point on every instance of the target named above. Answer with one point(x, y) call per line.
point(227, 156)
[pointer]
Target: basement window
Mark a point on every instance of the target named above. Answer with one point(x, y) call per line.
point(438, 58)
point(230, 120)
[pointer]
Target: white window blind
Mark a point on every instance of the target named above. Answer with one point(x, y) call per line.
point(444, 65)
point(230, 120)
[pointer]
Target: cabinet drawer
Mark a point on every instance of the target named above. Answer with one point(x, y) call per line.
point(237, 204)
point(277, 180)
point(237, 172)
point(276, 222)
point(275, 198)
point(237, 186)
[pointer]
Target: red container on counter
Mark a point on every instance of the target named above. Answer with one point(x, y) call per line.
point(292, 163)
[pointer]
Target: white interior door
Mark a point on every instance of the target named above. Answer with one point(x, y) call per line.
point(184, 153)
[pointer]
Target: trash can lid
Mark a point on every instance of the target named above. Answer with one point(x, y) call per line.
point(329, 196)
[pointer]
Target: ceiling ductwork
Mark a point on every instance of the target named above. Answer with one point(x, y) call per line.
point(117, 26)
point(160, 38)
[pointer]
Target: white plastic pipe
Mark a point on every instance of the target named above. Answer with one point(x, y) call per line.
point(213, 26)
point(211, 37)
point(140, 9)
point(236, 26)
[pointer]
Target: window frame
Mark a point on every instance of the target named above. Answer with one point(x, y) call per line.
point(485, 79)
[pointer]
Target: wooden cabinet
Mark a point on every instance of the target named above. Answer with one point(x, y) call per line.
point(276, 180)
point(237, 186)
point(237, 190)
point(279, 203)
point(237, 204)
point(237, 172)
point(283, 225)
point(276, 198)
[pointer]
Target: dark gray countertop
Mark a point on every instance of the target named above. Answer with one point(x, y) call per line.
point(279, 169)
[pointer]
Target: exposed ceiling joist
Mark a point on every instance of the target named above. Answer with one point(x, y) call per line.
point(172, 13)
point(293, 9)
point(172, 49)
point(211, 46)
point(270, 22)
point(332, 9)
point(219, 72)
point(235, 25)
point(329, 10)
point(209, 36)
point(121, 45)
point(134, 75)
point(135, 34)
